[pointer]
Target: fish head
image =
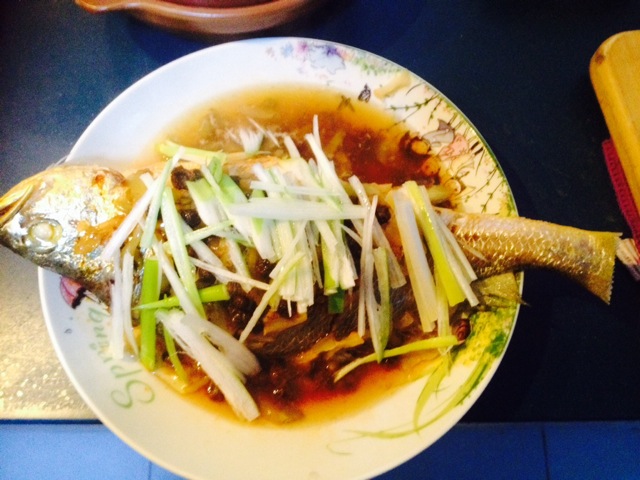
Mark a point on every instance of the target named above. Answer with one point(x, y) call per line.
point(60, 219)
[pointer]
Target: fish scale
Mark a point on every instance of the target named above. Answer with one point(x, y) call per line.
point(496, 244)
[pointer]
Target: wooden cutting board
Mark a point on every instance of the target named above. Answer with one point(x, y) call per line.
point(615, 74)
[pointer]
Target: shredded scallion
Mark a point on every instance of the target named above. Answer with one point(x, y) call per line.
point(150, 291)
point(214, 293)
point(417, 346)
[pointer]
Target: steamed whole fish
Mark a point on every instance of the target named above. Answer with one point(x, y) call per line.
point(61, 218)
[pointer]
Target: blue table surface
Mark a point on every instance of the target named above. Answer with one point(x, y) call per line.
point(523, 451)
point(565, 402)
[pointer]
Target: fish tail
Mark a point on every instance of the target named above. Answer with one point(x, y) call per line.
point(600, 282)
point(589, 259)
point(496, 244)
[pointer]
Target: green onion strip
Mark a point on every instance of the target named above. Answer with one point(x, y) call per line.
point(150, 292)
point(417, 346)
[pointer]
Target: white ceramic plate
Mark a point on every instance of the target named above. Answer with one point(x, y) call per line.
point(196, 443)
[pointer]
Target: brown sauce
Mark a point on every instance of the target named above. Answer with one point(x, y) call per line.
point(361, 138)
point(367, 385)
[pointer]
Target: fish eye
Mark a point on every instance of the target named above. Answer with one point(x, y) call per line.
point(43, 235)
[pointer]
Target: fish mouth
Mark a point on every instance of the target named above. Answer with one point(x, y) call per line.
point(13, 201)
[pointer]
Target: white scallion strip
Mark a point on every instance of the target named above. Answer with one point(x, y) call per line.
point(228, 276)
point(340, 269)
point(443, 259)
point(157, 188)
point(175, 237)
point(347, 273)
point(328, 175)
point(127, 295)
point(270, 292)
point(378, 315)
point(251, 141)
point(227, 192)
point(291, 251)
point(266, 232)
point(291, 189)
point(353, 235)
point(116, 337)
point(306, 174)
point(288, 241)
point(216, 365)
point(326, 234)
point(286, 237)
point(331, 268)
point(280, 209)
point(461, 258)
point(366, 269)
point(230, 193)
point(444, 328)
point(298, 285)
point(128, 224)
point(379, 238)
point(267, 133)
point(304, 293)
point(262, 234)
point(238, 261)
point(238, 354)
point(292, 150)
point(380, 324)
point(203, 251)
point(420, 275)
point(206, 232)
point(121, 297)
point(316, 130)
point(453, 275)
point(207, 205)
point(368, 298)
point(195, 155)
point(262, 174)
point(174, 280)
point(313, 242)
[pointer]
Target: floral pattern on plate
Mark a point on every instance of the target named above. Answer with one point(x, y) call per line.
point(471, 167)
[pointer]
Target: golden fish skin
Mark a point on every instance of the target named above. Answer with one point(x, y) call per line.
point(496, 244)
point(59, 218)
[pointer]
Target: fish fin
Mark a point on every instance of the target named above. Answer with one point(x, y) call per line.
point(498, 290)
point(598, 278)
